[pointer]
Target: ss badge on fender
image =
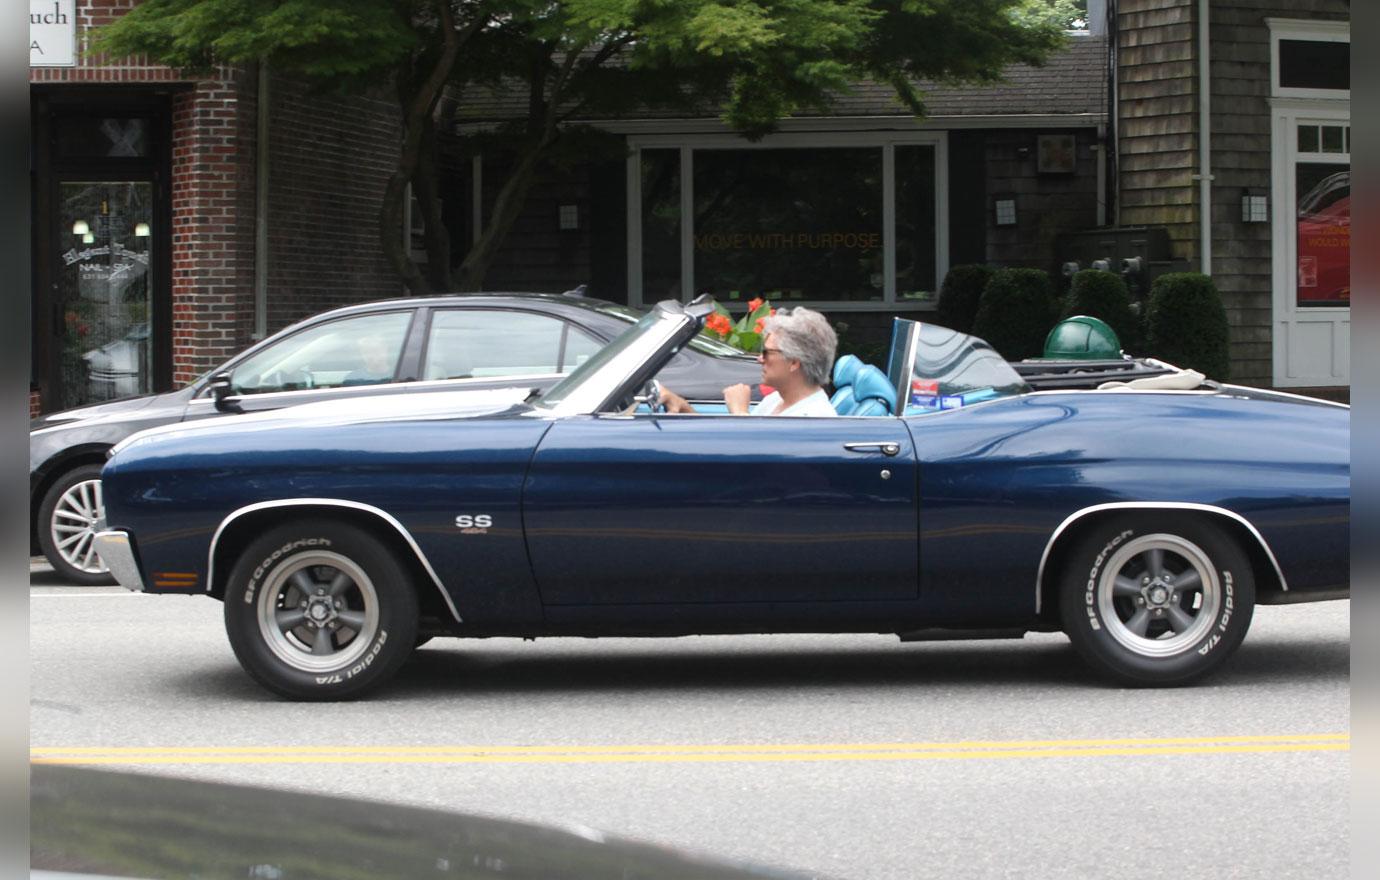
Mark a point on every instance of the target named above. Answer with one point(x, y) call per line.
point(477, 524)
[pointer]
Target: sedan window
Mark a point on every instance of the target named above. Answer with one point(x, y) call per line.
point(474, 343)
point(352, 351)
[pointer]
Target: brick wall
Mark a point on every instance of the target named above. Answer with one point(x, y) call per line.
point(330, 157)
point(213, 223)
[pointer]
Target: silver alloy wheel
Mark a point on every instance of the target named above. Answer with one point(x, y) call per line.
point(1159, 595)
point(73, 526)
point(318, 612)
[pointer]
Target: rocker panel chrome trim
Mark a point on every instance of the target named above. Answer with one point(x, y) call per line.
point(1153, 505)
point(328, 502)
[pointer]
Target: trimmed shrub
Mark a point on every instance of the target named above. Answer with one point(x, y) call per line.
point(1104, 295)
point(1186, 325)
point(960, 295)
point(1017, 309)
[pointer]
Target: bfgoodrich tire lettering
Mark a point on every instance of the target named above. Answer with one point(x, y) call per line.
point(1157, 599)
point(320, 612)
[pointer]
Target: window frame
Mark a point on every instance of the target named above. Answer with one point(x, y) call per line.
point(1282, 29)
point(688, 144)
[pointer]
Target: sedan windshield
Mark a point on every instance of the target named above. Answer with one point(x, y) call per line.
point(701, 342)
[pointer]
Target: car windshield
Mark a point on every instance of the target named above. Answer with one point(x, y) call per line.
point(701, 342)
point(952, 369)
point(628, 341)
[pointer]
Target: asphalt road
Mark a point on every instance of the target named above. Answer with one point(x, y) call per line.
point(851, 756)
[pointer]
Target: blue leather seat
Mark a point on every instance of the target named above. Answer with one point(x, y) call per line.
point(873, 393)
point(845, 368)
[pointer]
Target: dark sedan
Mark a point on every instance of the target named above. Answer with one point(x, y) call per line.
point(474, 341)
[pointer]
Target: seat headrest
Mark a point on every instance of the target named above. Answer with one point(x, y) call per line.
point(845, 368)
point(872, 384)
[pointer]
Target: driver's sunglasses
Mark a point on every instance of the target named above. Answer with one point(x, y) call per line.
point(762, 355)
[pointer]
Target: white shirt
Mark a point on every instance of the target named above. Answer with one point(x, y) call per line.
point(816, 404)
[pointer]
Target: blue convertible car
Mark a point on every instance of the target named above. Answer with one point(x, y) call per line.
point(949, 501)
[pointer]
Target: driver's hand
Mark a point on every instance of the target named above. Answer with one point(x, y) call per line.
point(738, 397)
point(673, 402)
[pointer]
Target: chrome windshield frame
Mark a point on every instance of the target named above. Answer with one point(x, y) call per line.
point(654, 338)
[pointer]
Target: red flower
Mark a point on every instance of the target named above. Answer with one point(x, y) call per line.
point(757, 328)
point(754, 305)
point(719, 324)
point(82, 329)
point(71, 317)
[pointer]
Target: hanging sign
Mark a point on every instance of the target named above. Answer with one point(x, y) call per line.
point(52, 33)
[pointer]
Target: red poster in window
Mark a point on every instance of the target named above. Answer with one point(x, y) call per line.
point(1324, 239)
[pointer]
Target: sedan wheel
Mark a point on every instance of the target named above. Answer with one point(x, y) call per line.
point(320, 612)
point(67, 521)
point(1156, 600)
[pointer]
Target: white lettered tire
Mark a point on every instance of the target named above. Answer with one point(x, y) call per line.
point(320, 611)
point(1157, 599)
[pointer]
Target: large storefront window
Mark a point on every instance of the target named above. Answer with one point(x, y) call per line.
point(793, 219)
point(766, 222)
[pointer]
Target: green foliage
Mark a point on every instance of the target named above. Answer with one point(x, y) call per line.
point(1015, 314)
point(346, 42)
point(754, 62)
point(1104, 295)
point(1186, 325)
point(744, 334)
point(960, 295)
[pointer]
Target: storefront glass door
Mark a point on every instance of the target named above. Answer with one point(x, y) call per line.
point(103, 282)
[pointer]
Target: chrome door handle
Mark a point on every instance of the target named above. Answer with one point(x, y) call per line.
point(874, 446)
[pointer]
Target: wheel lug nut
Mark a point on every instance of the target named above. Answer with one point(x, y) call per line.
point(1145, 580)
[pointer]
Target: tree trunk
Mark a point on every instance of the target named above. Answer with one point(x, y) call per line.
point(426, 186)
point(507, 206)
point(418, 94)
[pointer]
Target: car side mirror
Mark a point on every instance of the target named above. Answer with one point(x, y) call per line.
point(223, 393)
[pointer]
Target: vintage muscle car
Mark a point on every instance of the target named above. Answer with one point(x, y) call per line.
point(948, 500)
point(469, 341)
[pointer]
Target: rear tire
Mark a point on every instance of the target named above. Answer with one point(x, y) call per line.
point(66, 527)
point(320, 611)
point(1157, 600)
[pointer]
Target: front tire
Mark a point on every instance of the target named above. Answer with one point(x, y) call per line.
point(1154, 600)
point(67, 519)
point(320, 611)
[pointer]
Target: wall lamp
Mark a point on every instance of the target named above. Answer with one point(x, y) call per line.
point(1005, 208)
point(81, 228)
point(1255, 207)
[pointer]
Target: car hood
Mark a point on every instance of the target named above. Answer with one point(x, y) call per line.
point(110, 410)
point(346, 411)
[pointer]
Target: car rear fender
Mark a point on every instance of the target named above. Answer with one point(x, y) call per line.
point(1269, 578)
point(243, 525)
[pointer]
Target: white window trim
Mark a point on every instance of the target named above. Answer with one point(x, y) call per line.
point(1286, 312)
point(1312, 31)
point(1284, 198)
point(886, 141)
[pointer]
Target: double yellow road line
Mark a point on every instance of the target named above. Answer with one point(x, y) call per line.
point(692, 754)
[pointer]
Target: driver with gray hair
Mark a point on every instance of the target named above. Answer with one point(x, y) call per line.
point(797, 356)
